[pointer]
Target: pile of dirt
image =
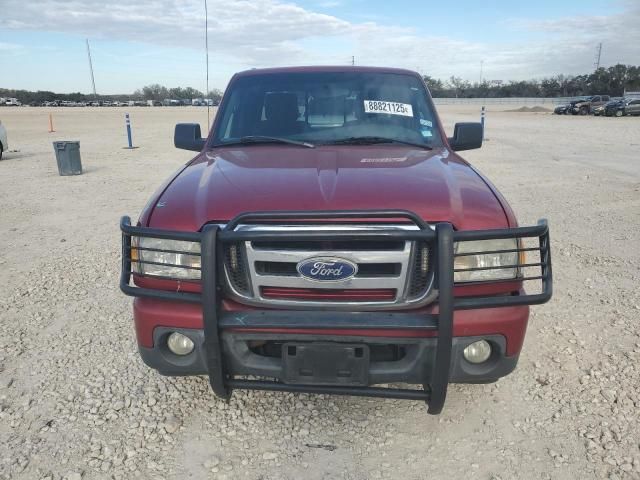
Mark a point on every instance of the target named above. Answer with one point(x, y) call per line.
point(531, 110)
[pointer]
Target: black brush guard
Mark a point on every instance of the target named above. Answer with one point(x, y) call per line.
point(441, 238)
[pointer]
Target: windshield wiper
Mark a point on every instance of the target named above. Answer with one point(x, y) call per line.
point(264, 139)
point(371, 140)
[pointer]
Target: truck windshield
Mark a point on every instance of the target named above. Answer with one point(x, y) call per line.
point(329, 108)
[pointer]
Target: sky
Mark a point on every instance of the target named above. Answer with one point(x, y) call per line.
point(139, 42)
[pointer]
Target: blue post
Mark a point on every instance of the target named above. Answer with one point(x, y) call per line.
point(482, 121)
point(128, 122)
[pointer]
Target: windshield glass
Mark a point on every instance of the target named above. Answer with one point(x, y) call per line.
point(328, 107)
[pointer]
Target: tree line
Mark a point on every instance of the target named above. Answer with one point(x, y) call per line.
point(160, 92)
point(611, 81)
point(149, 92)
point(606, 81)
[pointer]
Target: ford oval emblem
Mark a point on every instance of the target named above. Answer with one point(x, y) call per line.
point(327, 269)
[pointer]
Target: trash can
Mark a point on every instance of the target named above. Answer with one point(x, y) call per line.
point(68, 158)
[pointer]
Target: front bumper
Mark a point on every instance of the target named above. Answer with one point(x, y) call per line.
point(433, 356)
point(415, 366)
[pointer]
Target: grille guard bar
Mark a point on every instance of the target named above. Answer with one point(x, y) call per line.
point(442, 238)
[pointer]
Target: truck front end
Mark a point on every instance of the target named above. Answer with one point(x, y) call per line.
point(350, 291)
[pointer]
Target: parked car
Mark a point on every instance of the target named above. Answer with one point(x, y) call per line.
point(626, 106)
point(562, 109)
point(328, 236)
point(586, 106)
point(4, 143)
point(632, 107)
point(609, 108)
point(567, 108)
point(601, 110)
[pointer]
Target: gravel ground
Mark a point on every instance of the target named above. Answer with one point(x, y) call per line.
point(76, 402)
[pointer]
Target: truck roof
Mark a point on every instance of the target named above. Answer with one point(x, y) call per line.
point(325, 68)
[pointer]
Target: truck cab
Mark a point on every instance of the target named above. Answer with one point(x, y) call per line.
point(328, 238)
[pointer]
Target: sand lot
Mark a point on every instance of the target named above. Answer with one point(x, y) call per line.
point(77, 402)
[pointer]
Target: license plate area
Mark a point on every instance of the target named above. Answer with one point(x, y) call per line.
point(325, 363)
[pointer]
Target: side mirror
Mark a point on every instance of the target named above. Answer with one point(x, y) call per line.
point(466, 136)
point(188, 137)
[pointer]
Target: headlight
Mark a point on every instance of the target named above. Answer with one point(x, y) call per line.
point(165, 258)
point(475, 258)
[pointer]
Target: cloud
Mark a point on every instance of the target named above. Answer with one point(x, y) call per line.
point(258, 33)
point(329, 3)
point(6, 47)
point(560, 45)
point(572, 41)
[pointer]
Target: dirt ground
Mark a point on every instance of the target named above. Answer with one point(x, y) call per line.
point(77, 402)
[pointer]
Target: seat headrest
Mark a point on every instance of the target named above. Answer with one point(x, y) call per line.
point(281, 107)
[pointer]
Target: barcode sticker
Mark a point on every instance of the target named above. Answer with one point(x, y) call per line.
point(390, 108)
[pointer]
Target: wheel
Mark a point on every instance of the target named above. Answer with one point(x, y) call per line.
point(584, 111)
point(0, 151)
point(618, 113)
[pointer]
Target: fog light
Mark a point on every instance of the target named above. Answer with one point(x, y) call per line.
point(180, 344)
point(477, 352)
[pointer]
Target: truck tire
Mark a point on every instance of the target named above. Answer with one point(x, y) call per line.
point(584, 111)
point(1, 149)
point(618, 113)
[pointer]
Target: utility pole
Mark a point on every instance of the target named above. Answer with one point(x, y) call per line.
point(481, 65)
point(353, 60)
point(93, 81)
point(598, 55)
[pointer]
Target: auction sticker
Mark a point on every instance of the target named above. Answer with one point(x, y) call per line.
point(391, 108)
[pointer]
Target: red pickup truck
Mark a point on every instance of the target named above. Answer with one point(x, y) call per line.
point(328, 239)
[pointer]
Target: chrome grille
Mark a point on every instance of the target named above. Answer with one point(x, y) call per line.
point(399, 266)
point(420, 270)
point(235, 266)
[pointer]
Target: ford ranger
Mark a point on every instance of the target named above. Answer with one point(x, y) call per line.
point(327, 238)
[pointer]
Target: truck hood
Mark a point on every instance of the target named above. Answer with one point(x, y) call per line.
point(222, 183)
